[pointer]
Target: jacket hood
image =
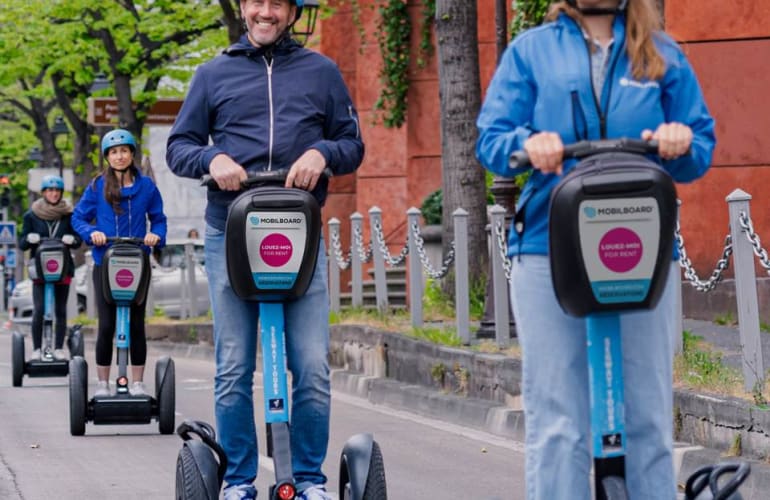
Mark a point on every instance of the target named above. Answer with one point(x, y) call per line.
point(243, 46)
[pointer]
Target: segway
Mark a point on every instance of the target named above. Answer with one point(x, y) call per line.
point(125, 279)
point(51, 266)
point(274, 233)
point(611, 226)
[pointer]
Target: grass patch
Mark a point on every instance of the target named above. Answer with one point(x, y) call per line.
point(700, 367)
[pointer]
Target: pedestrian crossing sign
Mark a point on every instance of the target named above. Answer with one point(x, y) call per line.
point(7, 233)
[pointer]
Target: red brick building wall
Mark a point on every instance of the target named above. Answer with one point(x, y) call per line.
point(728, 43)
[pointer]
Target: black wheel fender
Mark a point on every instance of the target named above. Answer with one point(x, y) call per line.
point(354, 463)
point(18, 363)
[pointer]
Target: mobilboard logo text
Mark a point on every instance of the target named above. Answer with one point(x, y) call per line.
point(274, 220)
point(592, 212)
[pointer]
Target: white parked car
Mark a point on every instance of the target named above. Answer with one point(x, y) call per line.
point(166, 284)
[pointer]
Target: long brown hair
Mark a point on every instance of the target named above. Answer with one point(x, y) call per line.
point(643, 20)
point(112, 185)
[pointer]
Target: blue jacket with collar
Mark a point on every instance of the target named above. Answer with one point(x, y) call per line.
point(543, 83)
point(139, 202)
point(264, 107)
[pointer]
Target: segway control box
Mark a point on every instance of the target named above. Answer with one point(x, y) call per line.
point(272, 243)
point(126, 275)
point(50, 263)
point(621, 208)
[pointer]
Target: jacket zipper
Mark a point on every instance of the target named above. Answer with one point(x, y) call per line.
point(610, 71)
point(269, 65)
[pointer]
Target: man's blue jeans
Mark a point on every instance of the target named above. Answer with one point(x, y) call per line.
point(235, 343)
point(555, 390)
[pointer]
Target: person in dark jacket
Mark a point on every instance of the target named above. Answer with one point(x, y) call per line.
point(49, 217)
point(267, 103)
point(119, 202)
point(597, 69)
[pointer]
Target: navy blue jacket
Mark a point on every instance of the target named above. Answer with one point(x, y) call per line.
point(139, 203)
point(48, 229)
point(264, 107)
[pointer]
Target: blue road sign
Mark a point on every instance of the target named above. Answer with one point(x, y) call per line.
point(7, 233)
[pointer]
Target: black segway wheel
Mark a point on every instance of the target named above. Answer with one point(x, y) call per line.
point(201, 463)
point(75, 342)
point(17, 358)
point(376, 487)
point(78, 395)
point(614, 488)
point(165, 393)
point(189, 478)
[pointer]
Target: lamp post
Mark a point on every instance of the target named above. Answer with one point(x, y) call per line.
point(100, 83)
point(307, 21)
point(59, 128)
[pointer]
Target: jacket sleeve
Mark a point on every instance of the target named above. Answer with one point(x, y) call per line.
point(188, 153)
point(84, 213)
point(342, 146)
point(683, 102)
point(26, 228)
point(504, 122)
point(156, 216)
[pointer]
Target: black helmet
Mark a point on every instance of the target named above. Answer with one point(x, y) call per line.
point(599, 11)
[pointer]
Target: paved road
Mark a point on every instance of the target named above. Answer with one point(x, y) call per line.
point(424, 458)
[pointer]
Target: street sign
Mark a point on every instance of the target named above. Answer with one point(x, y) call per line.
point(10, 257)
point(7, 233)
point(103, 111)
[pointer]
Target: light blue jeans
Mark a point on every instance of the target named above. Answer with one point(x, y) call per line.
point(235, 344)
point(555, 390)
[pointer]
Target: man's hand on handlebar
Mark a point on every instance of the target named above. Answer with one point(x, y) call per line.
point(306, 171)
point(674, 139)
point(546, 152)
point(227, 173)
point(151, 239)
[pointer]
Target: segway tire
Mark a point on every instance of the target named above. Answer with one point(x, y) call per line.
point(78, 383)
point(75, 342)
point(17, 359)
point(190, 484)
point(165, 392)
point(614, 488)
point(376, 487)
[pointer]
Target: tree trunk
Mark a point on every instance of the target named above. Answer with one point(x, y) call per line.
point(463, 179)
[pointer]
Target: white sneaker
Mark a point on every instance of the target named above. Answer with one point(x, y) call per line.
point(241, 492)
point(60, 355)
point(315, 492)
point(35, 355)
point(137, 389)
point(102, 388)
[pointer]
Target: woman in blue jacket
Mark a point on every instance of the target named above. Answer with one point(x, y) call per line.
point(598, 69)
point(119, 203)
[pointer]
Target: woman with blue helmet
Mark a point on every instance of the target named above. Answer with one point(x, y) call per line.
point(49, 217)
point(119, 202)
point(596, 69)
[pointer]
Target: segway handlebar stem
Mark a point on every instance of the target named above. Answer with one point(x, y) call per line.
point(582, 149)
point(258, 178)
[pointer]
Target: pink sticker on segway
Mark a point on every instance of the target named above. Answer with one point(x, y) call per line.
point(275, 250)
point(620, 250)
point(124, 278)
point(51, 265)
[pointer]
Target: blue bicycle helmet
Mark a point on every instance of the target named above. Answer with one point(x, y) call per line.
point(52, 182)
point(118, 137)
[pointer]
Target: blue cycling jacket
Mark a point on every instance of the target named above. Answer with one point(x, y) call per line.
point(543, 84)
point(264, 107)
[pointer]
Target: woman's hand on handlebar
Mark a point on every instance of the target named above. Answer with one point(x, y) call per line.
point(674, 139)
point(546, 152)
point(151, 239)
point(227, 173)
point(98, 238)
point(306, 171)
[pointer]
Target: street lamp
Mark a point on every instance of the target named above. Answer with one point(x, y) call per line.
point(36, 156)
point(59, 128)
point(307, 21)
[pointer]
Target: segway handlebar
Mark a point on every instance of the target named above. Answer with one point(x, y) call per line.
point(258, 178)
point(125, 239)
point(581, 149)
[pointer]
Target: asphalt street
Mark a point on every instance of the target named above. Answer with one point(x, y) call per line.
point(424, 458)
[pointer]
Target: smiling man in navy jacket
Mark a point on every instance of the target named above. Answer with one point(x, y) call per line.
point(267, 103)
